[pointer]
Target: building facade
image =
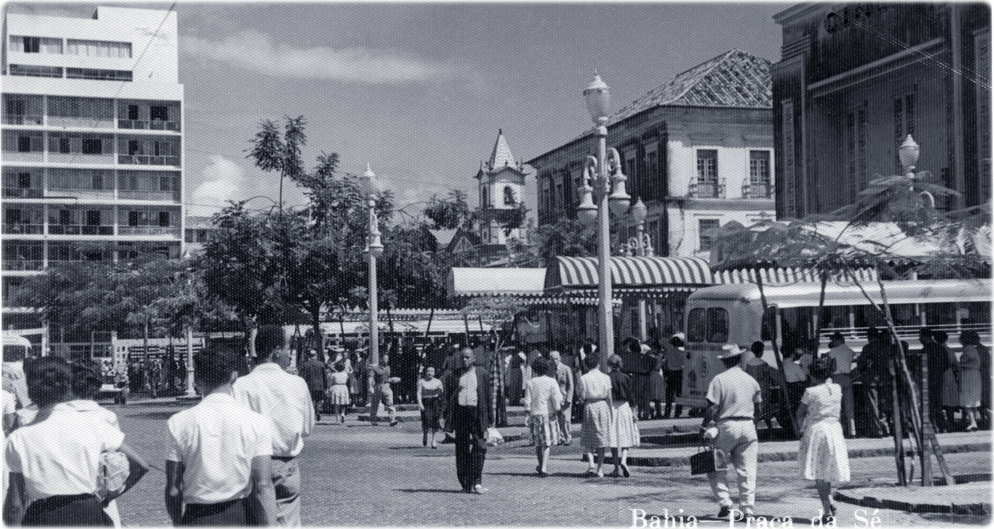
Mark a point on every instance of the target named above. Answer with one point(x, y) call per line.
point(697, 150)
point(501, 187)
point(854, 80)
point(92, 138)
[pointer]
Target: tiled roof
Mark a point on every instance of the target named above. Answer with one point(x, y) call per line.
point(733, 79)
point(501, 155)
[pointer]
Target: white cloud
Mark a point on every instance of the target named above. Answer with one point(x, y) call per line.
point(256, 51)
point(223, 179)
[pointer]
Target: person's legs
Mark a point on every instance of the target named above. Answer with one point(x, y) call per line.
point(478, 457)
point(624, 463)
point(463, 441)
point(374, 405)
point(971, 416)
point(564, 420)
point(825, 495)
point(744, 458)
point(600, 461)
point(433, 443)
point(387, 396)
point(617, 462)
point(286, 478)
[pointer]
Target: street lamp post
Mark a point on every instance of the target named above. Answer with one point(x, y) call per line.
point(604, 172)
point(908, 154)
point(373, 250)
point(641, 246)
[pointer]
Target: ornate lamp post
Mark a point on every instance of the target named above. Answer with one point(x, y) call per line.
point(908, 154)
point(374, 249)
point(602, 178)
point(641, 244)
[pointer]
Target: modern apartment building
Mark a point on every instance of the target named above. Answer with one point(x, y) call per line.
point(92, 138)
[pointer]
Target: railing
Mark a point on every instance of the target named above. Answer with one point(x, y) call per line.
point(61, 229)
point(23, 119)
point(144, 124)
point(78, 157)
point(22, 265)
point(757, 190)
point(149, 195)
point(83, 122)
point(147, 230)
point(22, 192)
point(23, 229)
point(147, 159)
point(707, 189)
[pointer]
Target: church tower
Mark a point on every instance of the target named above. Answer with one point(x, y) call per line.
point(501, 185)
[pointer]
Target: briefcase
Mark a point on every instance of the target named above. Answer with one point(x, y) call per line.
point(707, 459)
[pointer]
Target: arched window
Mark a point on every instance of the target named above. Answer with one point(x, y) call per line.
point(508, 196)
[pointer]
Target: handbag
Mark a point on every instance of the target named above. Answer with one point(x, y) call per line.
point(494, 438)
point(707, 459)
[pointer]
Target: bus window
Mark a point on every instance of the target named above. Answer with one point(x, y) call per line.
point(717, 325)
point(696, 325)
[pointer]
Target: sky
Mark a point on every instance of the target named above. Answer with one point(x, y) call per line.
point(420, 90)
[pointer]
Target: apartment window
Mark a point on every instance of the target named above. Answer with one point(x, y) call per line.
point(24, 144)
point(157, 112)
point(22, 110)
point(30, 44)
point(133, 112)
point(92, 146)
point(707, 165)
point(80, 144)
point(92, 218)
point(508, 196)
point(24, 180)
point(98, 74)
point(65, 146)
point(904, 124)
point(31, 70)
point(99, 48)
point(759, 174)
point(17, 141)
point(705, 229)
point(164, 219)
point(134, 218)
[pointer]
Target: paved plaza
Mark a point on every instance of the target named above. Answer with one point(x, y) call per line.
point(361, 475)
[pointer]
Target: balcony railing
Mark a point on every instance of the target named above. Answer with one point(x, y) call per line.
point(147, 159)
point(23, 119)
point(23, 229)
point(148, 230)
point(757, 190)
point(144, 124)
point(22, 265)
point(22, 192)
point(62, 229)
point(709, 189)
point(149, 195)
point(81, 122)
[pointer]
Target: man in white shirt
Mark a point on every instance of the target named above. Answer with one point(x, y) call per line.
point(564, 376)
point(733, 397)
point(467, 400)
point(286, 401)
point(219, 470)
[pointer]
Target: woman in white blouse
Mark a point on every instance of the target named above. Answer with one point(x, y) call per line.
point(543, 400)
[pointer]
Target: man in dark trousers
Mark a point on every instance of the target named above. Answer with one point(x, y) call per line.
point(467, 409)
point(313, 373)
point(937, 362)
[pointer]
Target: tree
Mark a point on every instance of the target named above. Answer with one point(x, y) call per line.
point(566, 237)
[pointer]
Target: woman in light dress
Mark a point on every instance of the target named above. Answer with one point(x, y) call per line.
point(430, 404)
point(624, 433)
point(594, 390)
point(338, 391)
point(543, 400)
point(950, 379)
point(822, 456)
point(970, 379)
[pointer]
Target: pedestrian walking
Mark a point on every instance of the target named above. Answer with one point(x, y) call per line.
point(543, 402)
point(822, 456)
point(564, 378)
point(338, 391)
point(595, 390)
point(312, 371)
point(971, 337)
point(733, 398)
point(937, 362)
point(515, 379)
point(430, 404)
point(53, 476)
point(286, 401)
point(624, 433)
point(766, 376)
point(219, 467)
point(673, 355)
point(796, 380)
point(970, 382)
point(842, 356)
point(950, 380)
point(382, 391)
point(467, 410)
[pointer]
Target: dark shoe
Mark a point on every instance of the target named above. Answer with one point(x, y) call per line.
point(723, 512)
point(393, 423)
point(615, 474)
point(318, 417)
point(567, 443)
point(424, 439)
point(625, 472)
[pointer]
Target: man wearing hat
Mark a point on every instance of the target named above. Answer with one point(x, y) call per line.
point(733, 398)
point(842, 355)
point(312, 371)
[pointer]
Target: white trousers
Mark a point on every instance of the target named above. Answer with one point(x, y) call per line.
point(741, 446)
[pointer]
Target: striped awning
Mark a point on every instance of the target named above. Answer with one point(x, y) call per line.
point(581, 272)
point(518, 282)
point(776, 275)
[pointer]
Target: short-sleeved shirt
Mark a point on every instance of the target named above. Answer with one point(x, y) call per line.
point(9, 403)
point(793, 372)
point(381, 374)
point(467, 389)
point(284, 399)
point(824, 402)
point(735, 394)
point(674, 357)
point(621, 386)
point(843, 356)
point(594, 385)
point(216, 441)
point(54, 463)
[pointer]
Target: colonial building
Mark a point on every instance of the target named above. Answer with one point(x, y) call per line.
point(501, 186)
point(697, 150)
point(92, 138)
point(855, 80)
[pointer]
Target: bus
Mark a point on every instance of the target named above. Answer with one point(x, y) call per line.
point(733, 313)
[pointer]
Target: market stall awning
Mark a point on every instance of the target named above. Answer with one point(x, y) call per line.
point(570, 273)
point(520, 282)
point(773, 275)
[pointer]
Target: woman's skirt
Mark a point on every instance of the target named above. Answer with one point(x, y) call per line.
point(823, 453)
point(80, 509)
point(970, 389)
point(950, 389)
point(545, 432)
point(624, 433)
point(338, 395)
point(431, 417)
point(596, 425)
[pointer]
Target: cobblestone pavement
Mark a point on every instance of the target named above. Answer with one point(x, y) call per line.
point(361, 475)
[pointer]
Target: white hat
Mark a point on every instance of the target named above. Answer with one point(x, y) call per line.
point(681, 336)
point(729, 350)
